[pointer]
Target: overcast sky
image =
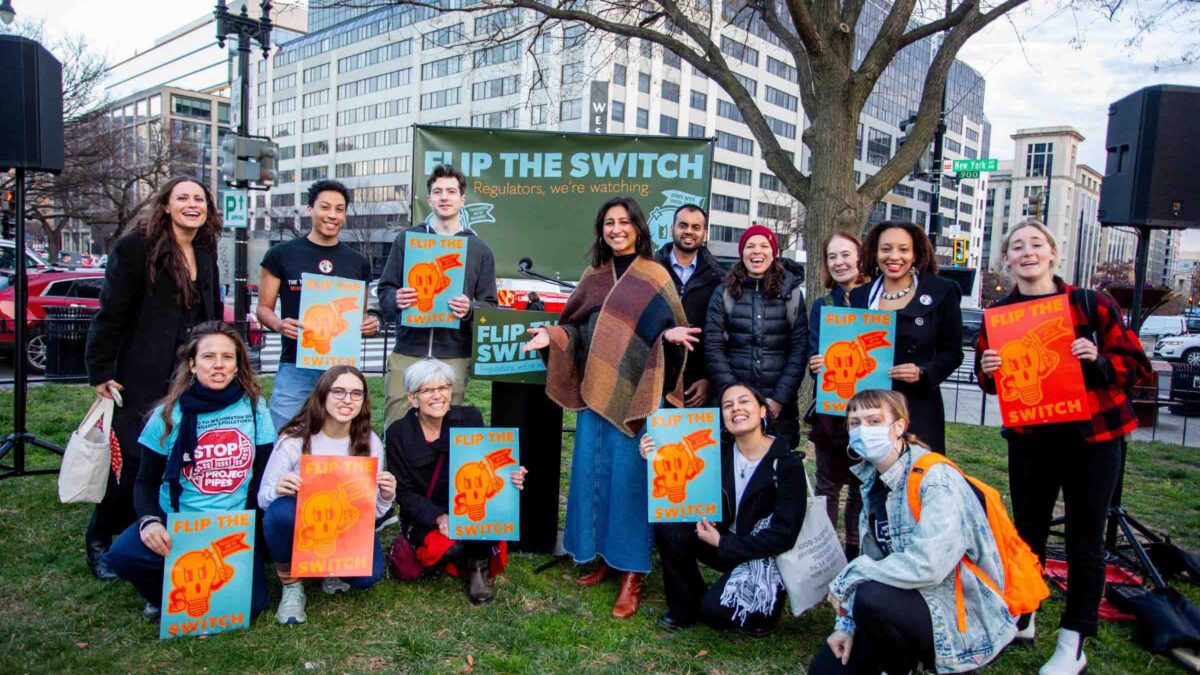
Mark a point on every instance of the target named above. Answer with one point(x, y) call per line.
point(1063, 69)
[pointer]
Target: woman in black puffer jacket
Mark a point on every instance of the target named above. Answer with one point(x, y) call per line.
point(756, 331)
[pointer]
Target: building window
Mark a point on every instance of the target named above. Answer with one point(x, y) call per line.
point(315, 123)
point(316, 98)
point(571, 109)
point(725, 234)
point(699, 100)
point(396, 78)
point(923, 196)
point(619, 74)
point(618, 111)
point(315, 148)
point(1038, 156)
point(901, 213)
point(490, 24)
point(769, 181)
point(781, 69)
point(443, 37)
point(644, 83)
point(509, 51)
point(314, 173)
point(288, 152)
point(671, 59)
point(501, 86)
point(739, 50)
point(284, 82)
point(574, 35)
point(285, 129)
point(441, 68)
point(781, 128)
point(696, 131)
point(374, 139)
point(953, 145)
point(539, 114)
point(643, 118)
point(501, 119)
point(374, 111)
point(316, 73)
point(774, 211)
point(670, 91)
point(879, 147)
point(949, 204)
point(782, 99)
point(972, 135)
point(730, 173)
point(440, 99)
point(283, 106)
point(904, 190)
point(374, 56)
point(732, 143)
point(729, 111)
point(372, 167)
point(750, 84)
point(668, 125)
point(730, 204)
point(196, 107)
point(572, 73)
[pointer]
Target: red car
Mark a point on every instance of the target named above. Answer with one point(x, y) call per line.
point(78, 288)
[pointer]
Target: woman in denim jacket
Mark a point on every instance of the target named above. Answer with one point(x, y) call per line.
point(897, 605)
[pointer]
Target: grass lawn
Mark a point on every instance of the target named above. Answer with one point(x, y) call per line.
point(55, 618)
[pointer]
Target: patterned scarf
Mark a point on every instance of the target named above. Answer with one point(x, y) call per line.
point(622, 379)
point(753, 586)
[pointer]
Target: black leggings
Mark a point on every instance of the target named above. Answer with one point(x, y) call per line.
point(892, 632)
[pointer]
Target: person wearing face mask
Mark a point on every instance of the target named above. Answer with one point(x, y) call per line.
point(160, 282)
point(214, 394)
point(906, 602)
point(335, 421)
point(763, 491)
point(756, 331)
point(1082, 459)
point(899, 257)
point(840, 274)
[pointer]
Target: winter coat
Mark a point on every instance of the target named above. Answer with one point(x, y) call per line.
point(695, 296)
point(479, 285)
point(924, 557)
point(777, 488)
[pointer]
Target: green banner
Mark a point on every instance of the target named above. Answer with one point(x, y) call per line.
point(533, 194)
point(496, 341)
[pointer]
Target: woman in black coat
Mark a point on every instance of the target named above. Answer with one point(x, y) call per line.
point(757, 330)
point(899, 257)
point(760, 478)
point(418, 455)
point(161, 280)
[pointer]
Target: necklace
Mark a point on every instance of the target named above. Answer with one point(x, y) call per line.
point(743, 464)
point(912, 283)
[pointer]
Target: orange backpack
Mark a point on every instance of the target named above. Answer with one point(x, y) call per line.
point(1024, 588)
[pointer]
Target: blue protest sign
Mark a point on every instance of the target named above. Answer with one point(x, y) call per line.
point(209, 575)
point(483, 502)
point(684, 474)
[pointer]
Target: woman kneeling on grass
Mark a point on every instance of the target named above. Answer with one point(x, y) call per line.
point(764, 498)
point(213, 392)
point(897, 602)
point(418, 449)
point(335, 421)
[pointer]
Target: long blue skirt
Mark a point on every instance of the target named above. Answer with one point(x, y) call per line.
point(606, 505)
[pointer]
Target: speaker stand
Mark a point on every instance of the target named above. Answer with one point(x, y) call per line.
point(20, 438)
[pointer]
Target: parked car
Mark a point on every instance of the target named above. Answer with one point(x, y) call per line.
point(78, 288)
point(8, 259)
point(1179, 349)
point(972, 321)
point(1154, 328)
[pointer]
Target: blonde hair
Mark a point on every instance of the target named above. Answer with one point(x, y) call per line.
point(891, 402)
point(1035, 224)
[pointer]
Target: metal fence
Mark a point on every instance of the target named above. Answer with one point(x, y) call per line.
point(1165, 411)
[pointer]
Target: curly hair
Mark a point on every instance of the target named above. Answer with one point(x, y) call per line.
point(157, 227)
point(923, 260)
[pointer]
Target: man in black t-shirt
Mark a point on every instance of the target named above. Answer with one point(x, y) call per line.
point(320, 252)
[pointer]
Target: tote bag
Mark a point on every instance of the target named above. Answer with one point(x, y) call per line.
point(809, 566)
point(83, 477)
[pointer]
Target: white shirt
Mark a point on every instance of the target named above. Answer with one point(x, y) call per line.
point(743, 471)
point(684, 272)
point(285, 458)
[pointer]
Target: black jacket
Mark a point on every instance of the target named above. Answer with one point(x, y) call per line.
point(695, 296)
point(412, 461)
point(479, 285)
point(929, 334)
point(778, 488)
point(756, 345)
point(134, 336)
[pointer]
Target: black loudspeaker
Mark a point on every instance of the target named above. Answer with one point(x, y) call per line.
point(31, 111)
point(1153, 143)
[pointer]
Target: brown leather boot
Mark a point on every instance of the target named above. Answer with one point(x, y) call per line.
point(629, 596)
point(479, 591)
point(599, 573)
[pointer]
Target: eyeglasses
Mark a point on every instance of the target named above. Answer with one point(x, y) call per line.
point(341, 394)
point(430, 391)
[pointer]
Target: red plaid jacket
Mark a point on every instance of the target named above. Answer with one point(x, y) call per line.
point(1121, 364)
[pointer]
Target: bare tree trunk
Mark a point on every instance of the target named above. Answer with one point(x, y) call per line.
point(833, 201)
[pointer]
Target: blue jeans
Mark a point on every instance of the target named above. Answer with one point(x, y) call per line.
point(292, 387)
point(279, 525)
point(132, 561)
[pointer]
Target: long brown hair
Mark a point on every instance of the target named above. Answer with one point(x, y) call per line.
point(826, 278)
point(923, 260)
point(601, 252)
point(739, 277)
point(311, 418)
point(165, 253)
point(183, 372)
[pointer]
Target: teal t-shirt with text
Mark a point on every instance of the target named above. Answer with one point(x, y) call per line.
point(219, 479)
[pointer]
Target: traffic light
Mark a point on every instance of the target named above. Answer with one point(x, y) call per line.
point(249, 160)
point(960, 251)
point(924, 163)
point(8, 216)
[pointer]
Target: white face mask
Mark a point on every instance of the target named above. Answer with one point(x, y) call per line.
point(872, 443)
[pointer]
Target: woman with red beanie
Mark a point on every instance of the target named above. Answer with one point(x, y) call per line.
point(757, 330)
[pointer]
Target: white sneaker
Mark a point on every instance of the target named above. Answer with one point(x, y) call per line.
point(291, 605)
point(1068, 657)
point(1026, 635)
point(334, 586)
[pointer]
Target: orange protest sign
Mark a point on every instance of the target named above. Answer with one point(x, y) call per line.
point(1039, 380)
point(335, 517)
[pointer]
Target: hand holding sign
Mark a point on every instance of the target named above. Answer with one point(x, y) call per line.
point(208, 576)
point(434, 272)
point(857, 349)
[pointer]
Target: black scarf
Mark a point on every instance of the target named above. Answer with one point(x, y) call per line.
point(197, 400)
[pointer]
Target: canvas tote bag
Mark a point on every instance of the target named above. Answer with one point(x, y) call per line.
point(83, 477)
point(809, 566)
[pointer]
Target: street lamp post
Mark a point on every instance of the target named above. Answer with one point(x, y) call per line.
point(246, 29)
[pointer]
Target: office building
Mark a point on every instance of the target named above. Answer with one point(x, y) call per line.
point(341, 102)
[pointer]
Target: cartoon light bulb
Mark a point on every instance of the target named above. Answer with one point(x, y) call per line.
point(673, 465)
point(195, 574)
point(1024, 368)
point(321, 514)
point(324, 322)
point(843, 364)
point(428, 280)
point(475, 483)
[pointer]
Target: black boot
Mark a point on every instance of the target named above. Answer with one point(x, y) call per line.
point(94, 547)
point(478, 589)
